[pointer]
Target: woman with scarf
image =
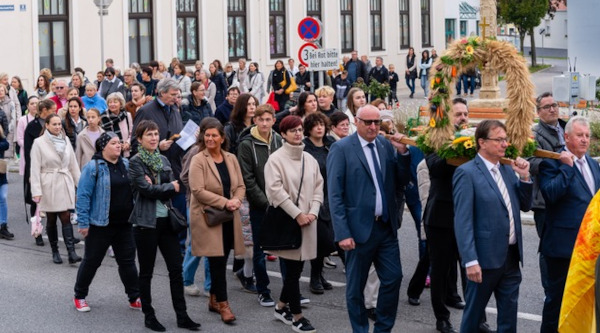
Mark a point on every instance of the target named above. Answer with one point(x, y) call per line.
point(254, 83)
point(105, 187)
point(54, 176)
point(42, 87)
point(117, 120)
point(154, 186)
point(231, 77)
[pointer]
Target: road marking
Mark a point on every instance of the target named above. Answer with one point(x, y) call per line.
point(302, 278)
point(522, 315)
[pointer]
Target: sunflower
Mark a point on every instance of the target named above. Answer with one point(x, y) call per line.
point(468, 144)
point(469, 49)
point(431, 122)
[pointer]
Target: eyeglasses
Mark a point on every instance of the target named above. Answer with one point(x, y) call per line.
point(370, 122)
point(499, 140)
point(296, 130)
point(60, 87)
point(547, 107)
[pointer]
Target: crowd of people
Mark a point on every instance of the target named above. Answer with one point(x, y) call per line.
point(103, 155)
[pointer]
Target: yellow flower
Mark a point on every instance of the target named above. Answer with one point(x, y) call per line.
point(460, 139)
point(469, 49)
point(530, 140)
point(478, 40)
point(468, 144)
point(432, 122)
point(432, 82)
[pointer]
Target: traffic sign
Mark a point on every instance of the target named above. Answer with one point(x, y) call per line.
point(309, 29)
point(322, 59)
point(303, 53)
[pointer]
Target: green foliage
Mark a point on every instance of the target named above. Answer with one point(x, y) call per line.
point(462, 149)
point(423, 144)
point(374, 89)
point(512, 152)
point(525, 14)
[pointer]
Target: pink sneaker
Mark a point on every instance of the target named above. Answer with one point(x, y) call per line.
point(136, 305)
point(81, 305)
point(428, 282)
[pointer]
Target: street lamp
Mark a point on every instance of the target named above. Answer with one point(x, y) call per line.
point(542, 32)
point(102, 10)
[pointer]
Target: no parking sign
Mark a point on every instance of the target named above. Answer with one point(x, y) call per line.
point(309, 29)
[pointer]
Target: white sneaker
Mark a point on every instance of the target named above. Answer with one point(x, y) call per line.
point(192, 290)
point(328, 263)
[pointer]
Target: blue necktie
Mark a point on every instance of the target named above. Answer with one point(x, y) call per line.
point(379, 177)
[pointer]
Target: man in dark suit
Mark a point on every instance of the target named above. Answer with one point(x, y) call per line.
point(568, 186)
point(379, 72)
point(487, 200)
point(364, 171)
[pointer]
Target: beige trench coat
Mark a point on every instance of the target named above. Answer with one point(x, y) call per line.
point(85, 148)
point(52, 177)
point(207, 190)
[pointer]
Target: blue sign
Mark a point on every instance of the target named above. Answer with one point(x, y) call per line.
point(309, 29)
point(23, 7)
point(7, 8)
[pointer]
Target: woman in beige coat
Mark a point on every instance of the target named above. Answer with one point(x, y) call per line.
point(216, 181)
point(283, 173)
point(54, 175)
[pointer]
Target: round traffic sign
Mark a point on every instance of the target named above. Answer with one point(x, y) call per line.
point(303, 53)
point(309, 29)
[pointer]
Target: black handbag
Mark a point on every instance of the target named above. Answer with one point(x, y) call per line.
point(176, 219)
point(278, 230)
point(215, 216)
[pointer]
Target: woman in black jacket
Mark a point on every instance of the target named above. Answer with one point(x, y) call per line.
point(153, 186)
point(410, 74)
point(198, 107)
point(279, 75)
point(241, 118)
point(218, 79)
point(74, 121)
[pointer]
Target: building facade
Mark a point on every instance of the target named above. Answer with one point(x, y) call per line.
point(64, 34)
point(551, 37)
point(461, 19)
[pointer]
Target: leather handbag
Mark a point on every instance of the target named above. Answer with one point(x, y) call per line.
point(278, 230)
point(215, 216)
point(176, 219)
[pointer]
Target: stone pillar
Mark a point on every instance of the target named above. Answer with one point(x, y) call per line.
point(488, 28)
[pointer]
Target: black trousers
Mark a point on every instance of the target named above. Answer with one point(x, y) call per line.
point(443, 254)
point(218, 265)
point(557, 270)
point(148, 240)
point(290, 293)
point(120, 237)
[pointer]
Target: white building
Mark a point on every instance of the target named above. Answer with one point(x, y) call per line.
point(551, 38)
point(461, 19)
point(64, 34)
point(584, 26)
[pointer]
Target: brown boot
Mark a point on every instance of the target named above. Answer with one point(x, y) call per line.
point(225, 311)
point(213, 306)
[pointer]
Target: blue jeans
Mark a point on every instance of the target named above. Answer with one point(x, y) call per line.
point(410, 82)
point(260, 267)
point(425, 84)
point(190, 265)
point(3, 204)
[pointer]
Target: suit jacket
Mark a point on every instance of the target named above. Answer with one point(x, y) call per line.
point(481, 222)
point(439, 211)
point(351, 190)
point(567, 197)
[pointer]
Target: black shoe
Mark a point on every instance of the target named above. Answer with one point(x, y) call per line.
point(68, 236)
point(247, 282)
point(266, 300)
point(444, 326)
point(4, 233)
point(187, 322)
point(303, 325)
point(457, 305)
point(371, 314)
point(39, 241)
point(284, 315)
point(326, 284)
point(56, 258)
point(414, 301)
point(485, 328)
point(411, 95)
point(152, 323)
point(316, 287)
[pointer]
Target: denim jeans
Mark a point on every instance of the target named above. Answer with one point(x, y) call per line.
point(190, 264)
point(260, 267)
point(3, 204)
point(425, 84)
point(410, 82)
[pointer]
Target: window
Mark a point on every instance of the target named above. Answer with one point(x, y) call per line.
point(141, 44)
point(425, 23)
point(450, 30)
point(404, 24)
point(277, 38)
point(346, 12)
point(313, 9)
point(463, 28)
point(236, 28)
point(187, 30)
point(376, 26)
point(53, 33)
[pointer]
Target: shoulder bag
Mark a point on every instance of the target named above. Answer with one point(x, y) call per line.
point(278, 230)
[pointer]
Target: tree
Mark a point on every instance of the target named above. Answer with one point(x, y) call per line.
point(525, 15)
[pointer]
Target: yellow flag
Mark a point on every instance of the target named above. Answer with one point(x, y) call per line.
point(577, 310)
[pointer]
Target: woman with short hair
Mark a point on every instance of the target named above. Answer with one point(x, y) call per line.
point(117, 120)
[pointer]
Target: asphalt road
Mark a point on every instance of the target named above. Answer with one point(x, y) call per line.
point(36, 295)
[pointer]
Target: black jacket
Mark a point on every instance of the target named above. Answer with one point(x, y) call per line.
point(145, 194)
point(439, 210)
point(381, 75)
point(194, 112)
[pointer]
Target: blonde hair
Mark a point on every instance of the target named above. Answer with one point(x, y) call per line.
point(325, 91)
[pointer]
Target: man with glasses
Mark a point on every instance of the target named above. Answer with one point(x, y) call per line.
point(488, 198)
point(365, 170)
point(549, 135)
point(568, 185)
point(60, 93)
point(111, 83)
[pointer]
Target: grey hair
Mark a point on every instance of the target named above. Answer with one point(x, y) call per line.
point(379, 58)
point(165, 85)
point(577, 119)
point(135, 66)
point(118, 96)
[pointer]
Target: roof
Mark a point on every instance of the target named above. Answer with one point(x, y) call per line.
point(467, 11)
